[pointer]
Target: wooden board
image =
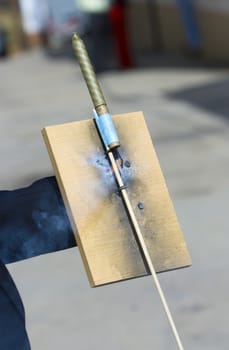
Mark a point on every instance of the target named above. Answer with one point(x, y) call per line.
point(99, 221)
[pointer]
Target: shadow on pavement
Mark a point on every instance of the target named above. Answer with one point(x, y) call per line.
point(212, 97)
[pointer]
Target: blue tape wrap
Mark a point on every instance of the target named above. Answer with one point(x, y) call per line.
point(106, 128)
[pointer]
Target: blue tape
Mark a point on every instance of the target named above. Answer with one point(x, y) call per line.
point(106, 128)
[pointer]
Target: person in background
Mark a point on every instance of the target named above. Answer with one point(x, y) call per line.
point(35, 16)
point(96, 32)
point(120, 35)
point(190, 23)
point(33, 221)
point(3, 42)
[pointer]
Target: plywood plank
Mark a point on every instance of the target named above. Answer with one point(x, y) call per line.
point(105, 239)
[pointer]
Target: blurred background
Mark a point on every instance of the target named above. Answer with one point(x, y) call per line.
point(169, 58)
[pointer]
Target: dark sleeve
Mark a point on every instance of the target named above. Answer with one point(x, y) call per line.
point(33, 221)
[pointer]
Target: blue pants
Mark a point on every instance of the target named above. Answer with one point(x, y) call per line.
point(13, 334)
point(187, 11)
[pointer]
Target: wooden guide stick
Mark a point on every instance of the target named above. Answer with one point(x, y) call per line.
point(143, 246)
point(101, 110)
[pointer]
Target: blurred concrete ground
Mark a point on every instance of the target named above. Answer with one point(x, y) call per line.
point(187, 109)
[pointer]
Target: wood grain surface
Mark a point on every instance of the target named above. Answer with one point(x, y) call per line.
point(98, 218)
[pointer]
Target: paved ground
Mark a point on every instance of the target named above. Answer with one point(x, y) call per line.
point(187, 111)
